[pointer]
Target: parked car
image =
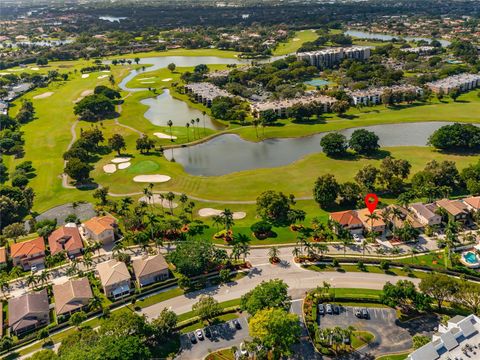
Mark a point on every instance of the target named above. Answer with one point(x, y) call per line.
point(199, 334)
point(365, 314)
point(208, 333)
point(357, 238)
point(336, 309)
point(346, 340)
point(193, 338)
point(329, 309)
point(237, 324)
point(358, 313)
point(321, 309)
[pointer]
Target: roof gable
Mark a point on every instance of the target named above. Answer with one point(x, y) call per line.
point(29, 247)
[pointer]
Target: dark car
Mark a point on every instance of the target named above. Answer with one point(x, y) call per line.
point(237, 324)
point(321, 309)
point(336, 309)
point(365, 314)
point(358, 313)
point(193, 338)
point(208, 333)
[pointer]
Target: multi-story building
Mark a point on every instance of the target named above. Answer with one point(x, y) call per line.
point(462, 82)
point(205, 92)
point(373, 96)
point(330, 57)
point(280, 107)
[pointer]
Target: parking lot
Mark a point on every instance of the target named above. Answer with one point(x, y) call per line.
point(390, 336)
point(223, 336)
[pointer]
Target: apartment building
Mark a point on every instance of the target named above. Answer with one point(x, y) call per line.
point(330, 57)
point(373, 96)
point(205, 92)
point(463, 82)
point(280, 107)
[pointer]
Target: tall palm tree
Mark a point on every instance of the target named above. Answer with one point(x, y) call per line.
point(321, 248)
point(198, 122)
point(31, 280)
point(188, 131)
point(217, 220)
point(255, 123)
point(170, 124)
point(87, 261)
point(4, 287)
point(373, 216)
point(203, 114)
point(193, 124)
point(95, 302)
point(169, 197)
point(296, 252)
point(96, 246)
point(227, 219)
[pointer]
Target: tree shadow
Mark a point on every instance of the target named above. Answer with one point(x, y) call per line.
point(307, 121)
point(348, 116)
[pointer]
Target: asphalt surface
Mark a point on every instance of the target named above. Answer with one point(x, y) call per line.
point(223, 336)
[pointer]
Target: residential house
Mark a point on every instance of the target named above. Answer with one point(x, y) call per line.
point(66, 238)
point(376, 225)
point(425, 214)
point(150, 269)
point(28, 312)
point(349, 220)
point(3, 257)
point(398, 216)
point(456, 340)
point(457, 210)
point(473, 203)
point(101, 229)
point(71, 296)
point(115, 278)
point(28, 253)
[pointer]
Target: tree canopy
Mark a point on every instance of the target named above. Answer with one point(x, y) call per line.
point(268, 294)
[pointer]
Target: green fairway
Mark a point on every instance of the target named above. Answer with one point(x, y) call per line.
point(295, 43)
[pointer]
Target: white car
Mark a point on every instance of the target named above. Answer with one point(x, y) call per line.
point(357, 238)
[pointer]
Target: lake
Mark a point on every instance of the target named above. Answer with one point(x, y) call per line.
point(164, 107)
point(368, 35)
point(230, 153)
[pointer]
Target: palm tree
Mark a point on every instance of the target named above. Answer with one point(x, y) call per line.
point(96, 246)
point(4, 287)
point(148, 194)
point(119, 246)
point(255, 123)
point(203, 114)
point(95, 302)
point(183, 200)
point(170, 124)
point(170, 196)
point(87, 261)
point(241, 239)
point(227, 219)
point(31, 280)
point(273, 253)
point(296, 252)
point(43, 277)
point(125, 204)
point(198, 121)
point(371, 217)
point(188, 131)
point(193, 124)
point(217, 220)
point(321, 248)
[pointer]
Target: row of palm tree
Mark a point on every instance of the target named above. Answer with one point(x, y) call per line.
point(196, 132)
point(335, 337)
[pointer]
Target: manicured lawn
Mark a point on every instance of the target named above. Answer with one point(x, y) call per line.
point(433, 260)
point(226, 354)
point(151, 300)
point(357, 293)
point(368, 269)
point(361, 338)
point(143, 167)
point(295, 43)
point(394, 357)
point(181, 52)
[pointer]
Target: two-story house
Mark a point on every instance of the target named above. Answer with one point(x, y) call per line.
point(349, 220)
point(101, 229)
point(73, 295)
point(28, 312)
point(66, 238)
point(150, 269)
point(115, 278)
point(28, 253)
point(425, 214)
point(457, 210)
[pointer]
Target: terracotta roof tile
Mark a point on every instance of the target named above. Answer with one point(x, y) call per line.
point(65, 238)
point(3, 255)
point(97, 225)
point(346, 218)
point(26, 248)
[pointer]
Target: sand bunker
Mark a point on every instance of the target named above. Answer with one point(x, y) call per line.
point(102, 77)
point(43, 96)
point(155, 199)
point(84, 76)
point(120, 160)
point(152, 178)
point(4, 73)
point(296, 39)
point(82, 95)
point(106, 71)
point(147, 78)
point(206, 212)
point(167, 79)
point(110, 168)
point(124, 165)
point(147, 82)
point(35, 69)
point(164, 136)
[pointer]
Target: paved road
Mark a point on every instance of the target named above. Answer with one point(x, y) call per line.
point(223, 336)
point(298, 280)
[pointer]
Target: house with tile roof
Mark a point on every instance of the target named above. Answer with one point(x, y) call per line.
point(115, 278)
point(457, 210)
point(28, 253)
point(73, 295)
point(28, 312)
point(150, 269)
point(376, 225)
point(425, 214)
point(3, 257)
point(101, 229)
point(349, 220)
point(398, 216)
point(473, 203)
point(66, 238)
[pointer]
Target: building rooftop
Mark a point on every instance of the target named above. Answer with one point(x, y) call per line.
point(473, 201)
point(112, 272)
point(454, 207)
point(97, 225)
point(145, 266)
point(21, 308)
point(287, 103)
point(26, 248)
point(3, 255)
point(69, 295)
point(65, 238)
point(423, 210)
point(346, 218)
point(364, 213)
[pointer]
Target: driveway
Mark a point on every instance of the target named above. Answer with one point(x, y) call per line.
point(390, 337)
point(223, 336)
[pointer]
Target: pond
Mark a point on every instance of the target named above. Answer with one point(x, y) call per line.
point(368, 35)
point(164, 107)
point(229, 153)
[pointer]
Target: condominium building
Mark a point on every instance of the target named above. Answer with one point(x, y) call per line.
point(205, 92)
point(463, 82)
point(459, 339)
point(327, 58)
point(373, 96)
point(420, 50)
point(280, 107)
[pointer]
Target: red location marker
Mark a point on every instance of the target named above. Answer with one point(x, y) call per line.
point(371, 200)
